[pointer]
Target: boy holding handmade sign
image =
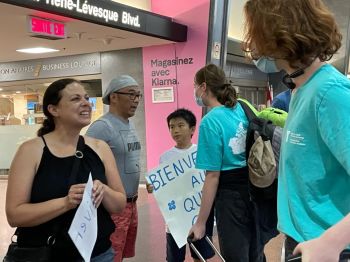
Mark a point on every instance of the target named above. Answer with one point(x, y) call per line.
point(182, 124)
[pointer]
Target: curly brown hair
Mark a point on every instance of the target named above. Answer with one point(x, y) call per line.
point(216, 82)
point(295, 30)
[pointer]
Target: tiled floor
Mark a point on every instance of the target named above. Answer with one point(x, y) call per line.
point(151, 237)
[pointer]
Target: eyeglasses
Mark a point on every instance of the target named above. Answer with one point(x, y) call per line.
point(132, 96)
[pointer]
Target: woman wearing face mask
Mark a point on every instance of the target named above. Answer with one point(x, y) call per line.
point(314, 168)
point(221, 152)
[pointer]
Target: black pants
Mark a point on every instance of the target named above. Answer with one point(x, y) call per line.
point(237, 229)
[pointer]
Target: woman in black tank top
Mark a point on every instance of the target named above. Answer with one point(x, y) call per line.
point(44, 193)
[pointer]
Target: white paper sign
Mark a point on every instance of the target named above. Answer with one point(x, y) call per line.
point(178, 191)
point(83, 230)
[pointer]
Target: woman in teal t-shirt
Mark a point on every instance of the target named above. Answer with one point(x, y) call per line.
point(298, 36)
point(221, 152)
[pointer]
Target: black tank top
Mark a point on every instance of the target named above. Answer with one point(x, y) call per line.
point(52, 181)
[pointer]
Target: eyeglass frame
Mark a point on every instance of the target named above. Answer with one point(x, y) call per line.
point(132, 96)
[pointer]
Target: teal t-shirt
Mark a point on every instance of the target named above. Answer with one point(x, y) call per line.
point(221, 140)
point(314, 171)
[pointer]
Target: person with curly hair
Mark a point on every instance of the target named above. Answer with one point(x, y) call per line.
point(299, 36)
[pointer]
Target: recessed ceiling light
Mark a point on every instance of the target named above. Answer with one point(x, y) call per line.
point(37, 50)
point(18, 92)
point(1, 89)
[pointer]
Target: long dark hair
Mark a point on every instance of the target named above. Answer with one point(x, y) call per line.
point(53, 96)
point(216, 81)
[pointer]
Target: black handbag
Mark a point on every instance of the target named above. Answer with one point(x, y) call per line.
point(28, 254)
point(44, 253)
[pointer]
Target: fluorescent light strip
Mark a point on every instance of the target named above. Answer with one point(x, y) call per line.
point(37, 50)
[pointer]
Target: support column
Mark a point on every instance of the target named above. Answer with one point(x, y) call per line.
point(217, 32)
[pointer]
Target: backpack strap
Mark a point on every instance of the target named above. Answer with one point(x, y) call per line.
point(247, 110)
point(251, 116)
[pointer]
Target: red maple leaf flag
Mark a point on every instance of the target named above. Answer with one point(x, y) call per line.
point(269, 95)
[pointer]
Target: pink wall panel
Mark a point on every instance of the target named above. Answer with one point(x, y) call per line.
point(173, 8)
point(184, 59)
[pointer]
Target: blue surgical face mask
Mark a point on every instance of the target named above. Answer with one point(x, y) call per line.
point(266, 65)
point(198, 100)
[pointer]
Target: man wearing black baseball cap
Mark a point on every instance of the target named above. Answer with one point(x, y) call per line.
point(123, 95)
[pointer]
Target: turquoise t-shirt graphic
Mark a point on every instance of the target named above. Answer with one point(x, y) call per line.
point(314, 171)
point(221, 140)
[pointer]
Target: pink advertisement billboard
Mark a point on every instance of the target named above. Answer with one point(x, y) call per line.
point(169, 72)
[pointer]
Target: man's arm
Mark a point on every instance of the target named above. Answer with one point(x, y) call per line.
point(329, 245)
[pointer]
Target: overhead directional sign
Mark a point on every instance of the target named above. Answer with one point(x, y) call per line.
point(112, 14)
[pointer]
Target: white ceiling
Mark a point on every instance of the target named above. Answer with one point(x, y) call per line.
point(94, 38)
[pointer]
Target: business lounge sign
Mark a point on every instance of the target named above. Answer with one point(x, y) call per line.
point(86, 64)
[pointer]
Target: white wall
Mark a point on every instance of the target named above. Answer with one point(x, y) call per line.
point(236, 19)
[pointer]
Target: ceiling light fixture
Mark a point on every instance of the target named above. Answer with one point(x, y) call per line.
point(1, 89)
point(37, 50)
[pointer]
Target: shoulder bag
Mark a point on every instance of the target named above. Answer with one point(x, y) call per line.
point(17, 253)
